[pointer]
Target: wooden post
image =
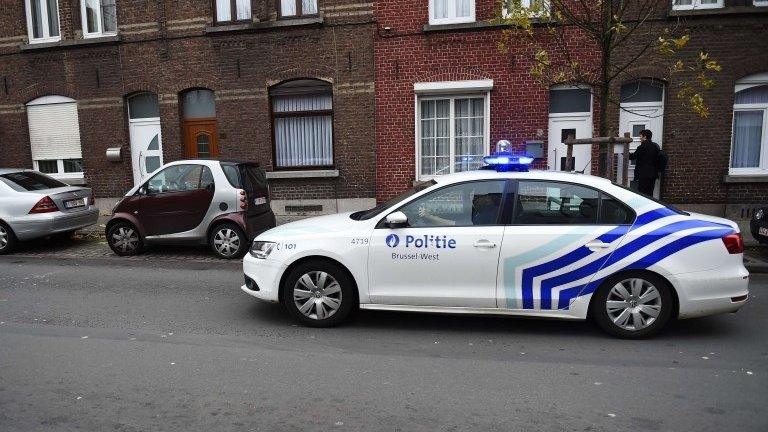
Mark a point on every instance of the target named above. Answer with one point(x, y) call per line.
point(569, 154)
point(625, 160)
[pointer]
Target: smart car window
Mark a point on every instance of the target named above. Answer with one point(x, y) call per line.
point(206, 178)
point(30, 181)
point(232, 174)
point(554, 203)
point(466, 204)
point(175, 178)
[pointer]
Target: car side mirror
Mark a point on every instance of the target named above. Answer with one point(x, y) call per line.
point(142, 191)
point(397, 219)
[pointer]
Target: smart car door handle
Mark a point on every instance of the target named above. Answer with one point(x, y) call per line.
point(597, 244)
point(484, 244)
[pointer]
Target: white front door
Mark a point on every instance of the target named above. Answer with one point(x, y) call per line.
point(146, 147)
point(636, 117)
point(449, 253)
point(562, 126)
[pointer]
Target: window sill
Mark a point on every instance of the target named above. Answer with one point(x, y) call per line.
point(476, 25)
point(70, 43)
point(265, 25)
point(323, 173)
point(728, 10)
point(745, 178)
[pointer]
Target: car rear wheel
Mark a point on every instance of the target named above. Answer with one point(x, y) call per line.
point(124, 239)
point(7, 239)
point(319, 294)
point(228, 241)
point(633, 306)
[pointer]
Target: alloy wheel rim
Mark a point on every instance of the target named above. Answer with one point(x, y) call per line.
point(226, 242)
point(633, 304)
point(317, 295)
point(126, 239)
point(3, 238)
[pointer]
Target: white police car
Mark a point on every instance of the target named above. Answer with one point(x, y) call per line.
point(542, 244)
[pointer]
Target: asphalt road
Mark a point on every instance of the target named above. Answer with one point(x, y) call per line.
point(154, 346)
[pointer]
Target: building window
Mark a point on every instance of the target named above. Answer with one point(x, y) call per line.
point(749, 149)
point(54, 135)
point(303, 123)
point(452, 134)
point(451, 11)
point(696, 4)
point(99, 17)
point(43, 20)
point(228, 11)
point(761, 3)
point(296, 8)
point(537, 8)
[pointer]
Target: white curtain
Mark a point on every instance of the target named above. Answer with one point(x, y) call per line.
point(753, 95)
point(109, 15)
point(747, 138)
point(308, 7)
point(304, 140)
point(287, 7)
point(243, 9)
point(223, 10)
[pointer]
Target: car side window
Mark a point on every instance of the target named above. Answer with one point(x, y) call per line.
point(614, 212)
point(555, 203)
point(176, 178)
point(466, 204)
point(206, 179)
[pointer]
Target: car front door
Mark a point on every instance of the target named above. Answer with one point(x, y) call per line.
point(447, 254)
point(177, 199)
point(561, 235)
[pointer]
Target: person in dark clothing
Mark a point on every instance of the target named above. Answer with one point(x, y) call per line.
point(646, 163)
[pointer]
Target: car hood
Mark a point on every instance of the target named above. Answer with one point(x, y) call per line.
point(329, 224)
point(715, 219)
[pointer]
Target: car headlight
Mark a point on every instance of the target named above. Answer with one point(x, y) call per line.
point(262, 249)
point(759, 214)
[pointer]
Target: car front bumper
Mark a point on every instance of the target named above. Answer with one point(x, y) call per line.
point(712, 292)
point(44, 224)
point(266, 275)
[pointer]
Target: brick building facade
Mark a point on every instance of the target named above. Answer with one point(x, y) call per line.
point(248, 53)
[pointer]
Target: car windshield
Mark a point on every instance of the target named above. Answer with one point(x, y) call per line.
point(368, 214)
point(30, 181)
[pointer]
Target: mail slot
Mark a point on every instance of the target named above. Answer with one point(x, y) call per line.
point(115, 154)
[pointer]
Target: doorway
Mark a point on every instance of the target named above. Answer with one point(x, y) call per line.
point(570, 114)
point(145, 135)
point(199, 126)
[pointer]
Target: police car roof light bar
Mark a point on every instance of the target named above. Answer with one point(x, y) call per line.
point(506, 162)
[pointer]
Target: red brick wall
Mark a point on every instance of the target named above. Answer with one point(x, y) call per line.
point(406, 55)
point(166, 51)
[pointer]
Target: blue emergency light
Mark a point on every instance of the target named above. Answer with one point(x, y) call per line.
point(506, 162)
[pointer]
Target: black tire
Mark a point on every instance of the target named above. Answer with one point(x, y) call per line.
point(345, 295)
point(640, 307)
point(124, 239)
point(7, 239)
point(228, 241)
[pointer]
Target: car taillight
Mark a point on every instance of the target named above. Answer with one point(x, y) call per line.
point(45, 205)
point(92, 199)
point(734, 243)
point(243, 200)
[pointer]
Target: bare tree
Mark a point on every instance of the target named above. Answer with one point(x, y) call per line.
point(623, 33)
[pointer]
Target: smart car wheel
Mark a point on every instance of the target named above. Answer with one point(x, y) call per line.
point(124, 239)
point(228, 241)
point(633, 306)
point(7, 239)
point(318, 294)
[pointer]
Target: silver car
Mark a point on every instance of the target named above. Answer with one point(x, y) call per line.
point(34, 205)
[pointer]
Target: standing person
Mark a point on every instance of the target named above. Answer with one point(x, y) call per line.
point(646, 163)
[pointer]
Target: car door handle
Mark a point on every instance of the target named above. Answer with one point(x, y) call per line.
point(484, 244)
point(597, 244)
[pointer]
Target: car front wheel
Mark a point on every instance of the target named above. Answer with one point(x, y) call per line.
point(7, 239)
point(633, 306)
point(228, 241)
point(319, 294)
point(124, 239)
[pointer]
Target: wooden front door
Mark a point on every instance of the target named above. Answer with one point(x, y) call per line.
point(200, 139)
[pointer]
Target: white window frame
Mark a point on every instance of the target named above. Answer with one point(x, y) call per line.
point(760, 3)
point(527, 3)
point(697, 4)
point(100, 16)
point(454, 20)
point(44, 16)
point(59, 174)
point(762, 168)
point(451, 90)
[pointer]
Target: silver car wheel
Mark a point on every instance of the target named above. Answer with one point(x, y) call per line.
point(317, 295)
point(3, 237)
point(633, 304)
point(226, 241)
point(126, 239)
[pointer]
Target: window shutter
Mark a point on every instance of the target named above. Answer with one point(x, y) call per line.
point(54, 131)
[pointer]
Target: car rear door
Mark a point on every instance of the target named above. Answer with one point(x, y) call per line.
point(258, 215)
point(177, 199)
point(558, 240)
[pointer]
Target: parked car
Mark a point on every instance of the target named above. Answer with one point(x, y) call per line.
point(219, 203)
point(34, 205)
point(759, 225)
